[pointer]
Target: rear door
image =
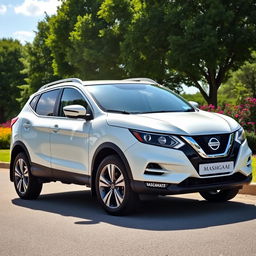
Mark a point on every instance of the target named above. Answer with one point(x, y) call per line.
point(69, 136)
point(36, 127)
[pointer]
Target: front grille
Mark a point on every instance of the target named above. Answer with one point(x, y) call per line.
point(196, 159)
point(190, 182)
point(203, 141)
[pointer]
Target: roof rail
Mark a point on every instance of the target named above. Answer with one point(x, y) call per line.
point(140, 79)
point(75, 80)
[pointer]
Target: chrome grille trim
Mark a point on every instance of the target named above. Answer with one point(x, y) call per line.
point(201, 152)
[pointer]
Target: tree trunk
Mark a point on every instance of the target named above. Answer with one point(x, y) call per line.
point(213, 96)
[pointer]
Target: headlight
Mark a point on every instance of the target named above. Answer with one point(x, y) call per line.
point(240, 136)
point(162, 140)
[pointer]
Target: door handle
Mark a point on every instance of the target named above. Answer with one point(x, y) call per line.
point(55, 128)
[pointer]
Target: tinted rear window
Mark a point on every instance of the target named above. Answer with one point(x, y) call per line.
point(34, 101)
point(46, 103)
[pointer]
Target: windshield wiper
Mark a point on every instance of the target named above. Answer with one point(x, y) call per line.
point(118, 111)
point(160, 111)
point(164, 111)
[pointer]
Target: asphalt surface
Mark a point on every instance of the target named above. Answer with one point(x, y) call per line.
point(65, 220)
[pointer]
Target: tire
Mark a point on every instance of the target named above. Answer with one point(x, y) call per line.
point(222, 195)
point(26, 185)
point(113, 188)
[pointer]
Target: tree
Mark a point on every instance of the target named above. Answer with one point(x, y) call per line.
point(145, 45)
point(10, 77)
point(38, 62)
point(85, 39)
point(139, 35)
point(210, 38)
point(242, 82)
point(192, 42)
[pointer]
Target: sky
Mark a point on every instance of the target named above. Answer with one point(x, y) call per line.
point(19, 18)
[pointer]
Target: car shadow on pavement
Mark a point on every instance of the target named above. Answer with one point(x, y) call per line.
point(164, 213)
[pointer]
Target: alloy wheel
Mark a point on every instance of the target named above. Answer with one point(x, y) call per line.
point(21, 176)
point(112, 186)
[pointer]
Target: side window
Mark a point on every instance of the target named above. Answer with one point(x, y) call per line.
point(46, 103)
point(33, 102)
point(71, 97)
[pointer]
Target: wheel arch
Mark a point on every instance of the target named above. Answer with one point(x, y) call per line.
point(103, 151)
point(17, 148)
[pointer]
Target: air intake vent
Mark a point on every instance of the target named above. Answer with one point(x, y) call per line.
point(249, 161)
point(154, 169)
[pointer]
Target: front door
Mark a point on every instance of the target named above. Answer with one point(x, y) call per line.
point(69, 137)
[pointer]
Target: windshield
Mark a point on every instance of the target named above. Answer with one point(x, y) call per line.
point(137, 98)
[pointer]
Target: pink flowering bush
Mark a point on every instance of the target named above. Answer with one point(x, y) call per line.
point(6, 124)
point(244, 113)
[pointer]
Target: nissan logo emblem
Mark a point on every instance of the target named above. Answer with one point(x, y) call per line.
point(214, 144)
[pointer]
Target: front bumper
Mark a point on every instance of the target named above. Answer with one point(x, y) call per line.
point(180, 169)
point(191, 185)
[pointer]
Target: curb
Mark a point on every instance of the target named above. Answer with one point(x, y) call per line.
point(4, 165)
point(247, 189)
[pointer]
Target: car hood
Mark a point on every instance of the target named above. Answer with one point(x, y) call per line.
point(181, 123)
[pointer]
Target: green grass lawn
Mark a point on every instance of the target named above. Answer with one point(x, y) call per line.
point(4, 155)
point(254, 169)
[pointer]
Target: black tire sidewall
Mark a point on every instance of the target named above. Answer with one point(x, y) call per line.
point(129, 198)
point(34, 187)
point(222, 196)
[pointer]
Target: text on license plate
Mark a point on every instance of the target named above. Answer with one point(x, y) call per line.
point(216, 168)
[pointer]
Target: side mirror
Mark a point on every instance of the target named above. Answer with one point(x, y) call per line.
point(75, 111)
point(194, 104)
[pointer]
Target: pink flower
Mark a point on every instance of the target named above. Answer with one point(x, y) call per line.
point(6, 124)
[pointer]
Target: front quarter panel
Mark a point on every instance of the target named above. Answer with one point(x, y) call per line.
point(102, 133)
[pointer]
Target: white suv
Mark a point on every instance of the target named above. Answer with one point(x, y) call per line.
point(124, 138)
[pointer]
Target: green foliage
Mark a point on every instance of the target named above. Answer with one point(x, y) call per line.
point(242, 83)
point(197, 97)
point(251, 139)
point(77, 17)
point(192, 42)
point(223, 98)
point(145, 46)
point(10, 77)
point(37, 62)
point(209, 38)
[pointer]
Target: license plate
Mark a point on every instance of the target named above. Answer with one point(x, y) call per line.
point(216, 168)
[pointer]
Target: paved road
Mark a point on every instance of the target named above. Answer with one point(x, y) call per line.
point(65, 220)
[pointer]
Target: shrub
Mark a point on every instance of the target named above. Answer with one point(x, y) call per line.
point(5, 137)
point(6, 124)
point(245, 113)
point(251, 139)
